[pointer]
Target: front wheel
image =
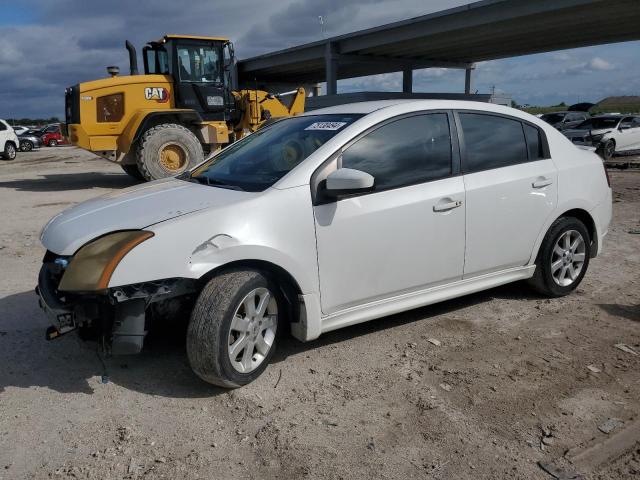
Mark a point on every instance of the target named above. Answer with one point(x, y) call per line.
point(563, 258)
point(608, 150)
point(26, 146)
point(232, 332)
point(167, 150)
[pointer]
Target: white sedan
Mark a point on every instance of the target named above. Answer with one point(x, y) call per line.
point(610, 134)
point(325, 220)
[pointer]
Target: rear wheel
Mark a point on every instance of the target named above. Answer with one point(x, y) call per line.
point(563, 258)
point(167, 150)
point(9, 151)
point(132, 169)
point(53, 142)
point(232, 332)
point(26, 146)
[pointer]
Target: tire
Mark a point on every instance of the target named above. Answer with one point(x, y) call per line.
point(211, 329)
point(167, 150)
point(9, 151)
point(133, 170)
point(26, 146)
point(608, 150)
point(553, 276)
point(53, 143)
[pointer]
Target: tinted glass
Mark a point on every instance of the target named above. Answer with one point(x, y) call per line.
point(599, 123)
point(261, 159)
point(553, 117)
point(2, 126)
point(492, 142)
point(404, 152)
point(534, 142)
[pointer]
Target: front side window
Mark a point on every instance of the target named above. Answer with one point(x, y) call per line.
point(200, 64)
point(492, 142)
point(261, 159)
point(404, 152)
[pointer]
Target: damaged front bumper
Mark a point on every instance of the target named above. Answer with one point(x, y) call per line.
point(117, 317)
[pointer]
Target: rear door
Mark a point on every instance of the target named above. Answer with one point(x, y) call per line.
point(406, 235)
point(511, 189)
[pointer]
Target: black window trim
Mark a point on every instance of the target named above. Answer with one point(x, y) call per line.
point(546, 153)
point(314, 183)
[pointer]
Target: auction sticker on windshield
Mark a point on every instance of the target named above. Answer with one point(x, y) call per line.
point(326, 126)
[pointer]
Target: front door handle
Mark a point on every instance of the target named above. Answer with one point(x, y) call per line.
point(443, 207)
point(541, 183)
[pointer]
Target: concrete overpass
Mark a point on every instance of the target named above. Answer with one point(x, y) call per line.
point(454, 38)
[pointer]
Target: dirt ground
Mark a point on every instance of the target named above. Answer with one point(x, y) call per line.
point(508, 386)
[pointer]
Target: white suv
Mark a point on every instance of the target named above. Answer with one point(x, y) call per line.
point(8, 141)
point(324, 220)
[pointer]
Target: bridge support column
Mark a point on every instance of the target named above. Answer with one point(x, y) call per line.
point(407, 80)
point(467, 80)
point(331, 69)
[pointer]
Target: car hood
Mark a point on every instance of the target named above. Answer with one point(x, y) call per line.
point(131, 209)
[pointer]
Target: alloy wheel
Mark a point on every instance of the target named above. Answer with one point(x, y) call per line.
point(253, 330)
point(568, 258)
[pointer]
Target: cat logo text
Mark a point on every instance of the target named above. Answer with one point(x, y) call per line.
point(159, 94)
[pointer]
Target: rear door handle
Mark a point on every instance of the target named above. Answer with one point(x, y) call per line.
point(544, 182)
point(443, 207)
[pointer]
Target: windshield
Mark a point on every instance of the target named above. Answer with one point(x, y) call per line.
point(199, 64)
point(599, 123)
point(553, 117)
point(261, 159)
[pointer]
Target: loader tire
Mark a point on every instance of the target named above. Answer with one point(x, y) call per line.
point(133, 170)
point(167, 150)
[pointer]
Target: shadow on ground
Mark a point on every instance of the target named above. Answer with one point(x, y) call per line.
point(630, 312)
point(67, 364)
point(58, 182)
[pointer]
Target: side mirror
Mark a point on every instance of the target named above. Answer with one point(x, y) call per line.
point(345, 181)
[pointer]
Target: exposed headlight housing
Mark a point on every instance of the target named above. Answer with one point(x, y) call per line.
point(90, 269)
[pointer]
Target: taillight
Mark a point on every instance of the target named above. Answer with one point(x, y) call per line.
point(606, 174)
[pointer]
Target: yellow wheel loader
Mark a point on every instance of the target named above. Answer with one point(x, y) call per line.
point(185, 105)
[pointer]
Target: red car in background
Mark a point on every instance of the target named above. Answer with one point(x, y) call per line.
point(52, 136)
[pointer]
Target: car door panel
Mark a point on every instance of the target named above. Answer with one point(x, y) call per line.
point(511, 188)
point(377, 246)
point(506, 209)
point(406, 235)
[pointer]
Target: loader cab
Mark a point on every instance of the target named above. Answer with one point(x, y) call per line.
point(202, 69)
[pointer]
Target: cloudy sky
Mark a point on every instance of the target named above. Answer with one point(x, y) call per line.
point(48, 45)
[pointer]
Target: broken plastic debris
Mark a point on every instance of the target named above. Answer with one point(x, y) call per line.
point(594, 369)
point(625, 348)
point(435, 341)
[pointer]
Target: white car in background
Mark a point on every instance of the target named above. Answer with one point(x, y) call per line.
point(325, 220)
point(20, 130)
point(609, 134)
point(8, 141)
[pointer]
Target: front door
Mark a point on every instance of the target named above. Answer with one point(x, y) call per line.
point(628, 137)
point(406, 235)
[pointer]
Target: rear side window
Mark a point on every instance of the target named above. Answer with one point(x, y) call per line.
point(404, 152)
point(2, 126)
point(534, 142)
point(492, 142)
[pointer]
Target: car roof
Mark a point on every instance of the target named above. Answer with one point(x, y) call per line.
point(411, 105)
